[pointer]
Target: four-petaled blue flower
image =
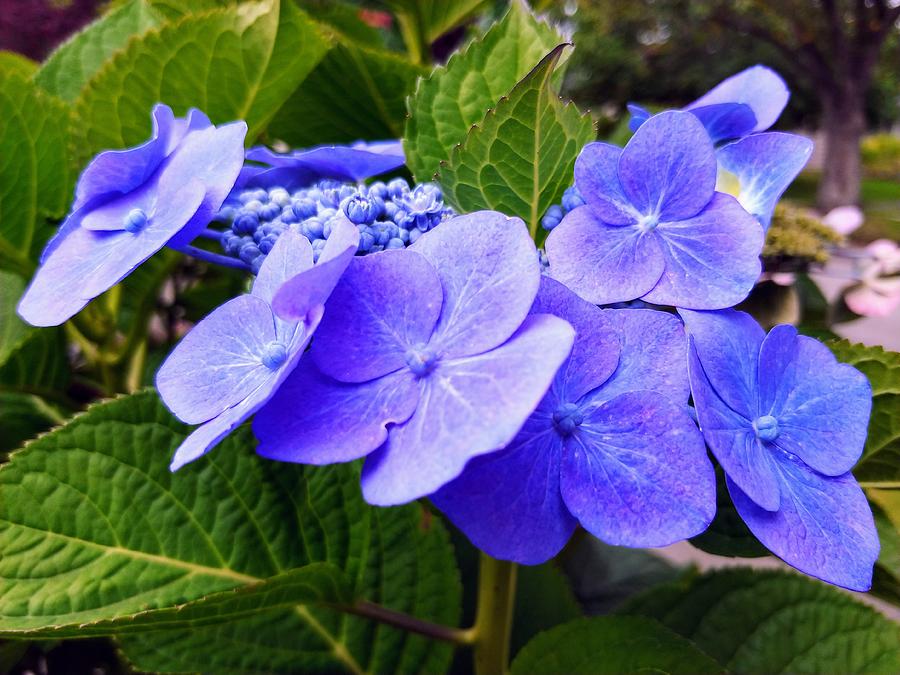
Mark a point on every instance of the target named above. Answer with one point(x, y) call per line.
point(787, 422)
point(611, 446)
point(235, 359)
point(299, 169)
point(653, 226)
point(745, 103)
point(131, 203)
point(426, 357)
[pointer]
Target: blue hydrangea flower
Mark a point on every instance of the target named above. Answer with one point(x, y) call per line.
point(745, 103)
point(653, 226)
point(759, 168)
point(611, 446)
point(235, 359)
point(787, 422)
point(131, 203)
point(300, 168)
point(426, 358)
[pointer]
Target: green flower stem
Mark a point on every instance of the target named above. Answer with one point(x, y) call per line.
point(493, 620)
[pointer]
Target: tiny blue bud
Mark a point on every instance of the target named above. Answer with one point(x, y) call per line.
point(256, 263)
point(397, 188)
point(245, 222)
point(269, 211)
point(279, 196)
point(226, 213)
point(572, 199)
point(395, 243)
point(312, 228)
point(304, 208)
point(247, 196)
point(135, 221)
point(552, 218)
point(359, 209)
point(254, 206)
point(404, 235)
point(261, 195)
point(414, 235)
point(288, 215)
point(366, 242)
point(378, 189)
point(248, 252)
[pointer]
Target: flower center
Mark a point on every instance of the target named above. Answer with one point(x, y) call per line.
point(421, 359)
point(567, 418)
point(135, 221)
point(648, 223)
point(274, 354)
point(766, 428)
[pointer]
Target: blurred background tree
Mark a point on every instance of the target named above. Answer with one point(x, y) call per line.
point(840, 58)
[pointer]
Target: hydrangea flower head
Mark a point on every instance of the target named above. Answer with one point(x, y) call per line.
point(426, 358)
point(787, 422)
point(129, 204)
point(235, 359)
point(611, 446)
point(653, 226)
point(300, 168)
point(745, 103)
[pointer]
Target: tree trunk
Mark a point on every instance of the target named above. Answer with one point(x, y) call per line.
point(843, 124)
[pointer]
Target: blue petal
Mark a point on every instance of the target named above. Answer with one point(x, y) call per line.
point(508, 503)
point(653, 354)
point(489, 270)
point(724, 121)
point(635, 473)
point(468, 407)
point(348, 163)
point(730, 434)
point(314, 419)
point(384, 306)
point(291, 255)
point(711, 260)
point(603, 263)
point(595, 353)
point(639, 115)
point(597, 179)
point(759, 87)
point(822, 406)
point(220, 362)
point(311, 288)
point(668, 168)
point(765, 165)
point(728, 344)
point(824, 526)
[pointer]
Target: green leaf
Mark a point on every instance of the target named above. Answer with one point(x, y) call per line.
point(355, 93)
point(880, 462)
point(519, 159)
point(728, 534)
point(11, 62)
point(74, 63)
point(34, 175)
point(12, 329)
point(422, 22)
point(238, 62)
point(543, 600)
point(775, 622)
point(99, 536)
point(456, 96)
point(37, 365)
point(611, 644)
point(886, 509)
point(22, 417)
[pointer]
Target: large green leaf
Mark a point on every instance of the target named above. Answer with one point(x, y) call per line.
point(238, 62)
point(775, 622)
point(98, 535)
point(354, 93)
point(886, 509)
point(880, 462)
point(456, 96)
point(12, 329)
point(34, 178)
point(519, 159)
point(611, 645)
point(422, 22)
point(71, 65)
point(22, 417)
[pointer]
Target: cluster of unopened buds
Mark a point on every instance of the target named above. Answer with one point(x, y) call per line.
point(522, 404)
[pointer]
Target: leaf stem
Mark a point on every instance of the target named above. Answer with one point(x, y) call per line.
point(493, 620)
point(435, 631)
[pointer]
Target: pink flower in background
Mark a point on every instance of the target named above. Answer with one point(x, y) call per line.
point(878, 293)
point(844, 219)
